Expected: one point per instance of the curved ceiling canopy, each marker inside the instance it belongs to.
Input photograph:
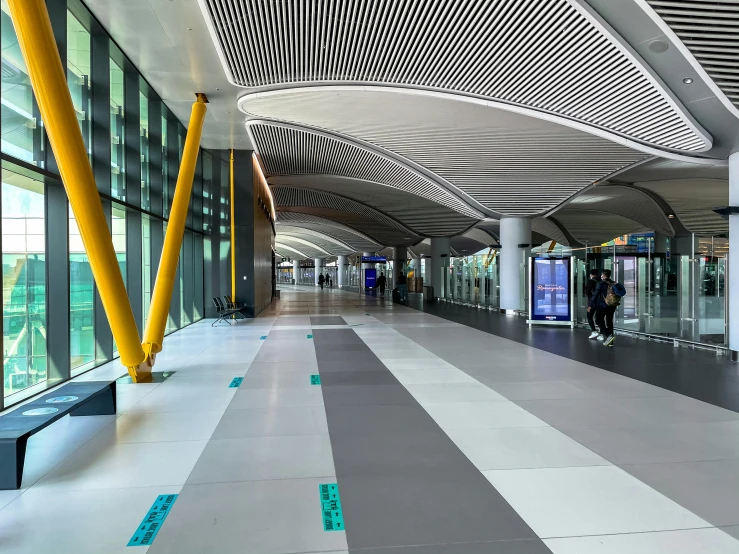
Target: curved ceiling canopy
(594, 227)
(694, 201)
(287, 150)
(330, 244)
(549, 55)
(302, 246)
(624, 201)
(510, 163)
(347, 235)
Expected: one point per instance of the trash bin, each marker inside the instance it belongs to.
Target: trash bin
(428, 293)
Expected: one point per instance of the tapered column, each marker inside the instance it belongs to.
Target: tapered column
(318, 263)
(733, 285)
(343, 265)
(515, 240)
(296, 271)
(400, 257)
(440, 248)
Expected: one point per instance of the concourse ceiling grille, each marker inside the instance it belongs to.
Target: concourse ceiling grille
(383, 229)
(333, 246)
(544, 54)
(549, 229)
(328, 227)
(513, 164)
(594, 227)
(300, 246)
(289, 151)
(710, 30)
(626, 202)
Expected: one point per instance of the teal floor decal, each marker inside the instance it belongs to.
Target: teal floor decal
(148, 529)
(263, 337)
(333, 516)
(315, 379)
(309, 336)
(235, 382)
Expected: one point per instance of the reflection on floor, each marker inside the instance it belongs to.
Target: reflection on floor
(441, 439)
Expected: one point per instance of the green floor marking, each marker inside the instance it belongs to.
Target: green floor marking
(263, 337)
(333, 516)
(309, 336)
(235, 382)
(315, 379)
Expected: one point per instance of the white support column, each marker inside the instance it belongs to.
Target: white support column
(515, 242)
(342, 264)
(440, 249)
(296, 271)
(400, 257)
(732, 290)
(365, 266)
(318, 263)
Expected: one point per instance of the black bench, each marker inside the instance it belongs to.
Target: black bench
(226, 309)
(77, 399)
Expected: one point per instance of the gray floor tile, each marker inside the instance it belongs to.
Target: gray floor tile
(327, 320)
(353, 363)
(674, 409)
(328, 354)
(262, 458)
(426, 508)
(355, 395)
(357, 378)
(276, 380)
(348, 421)
(271, 422)
(246, 399)
(268, 517)
(732, 531)
(646, 444)
(708, 489)
(581, 411)
(620, 387)
(523, 546)
(287, 355)
(538, 390)
(305, 365)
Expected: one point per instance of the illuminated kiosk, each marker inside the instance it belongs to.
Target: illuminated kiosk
(369, 274)
(552, 292)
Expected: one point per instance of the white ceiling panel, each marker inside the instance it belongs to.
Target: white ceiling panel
(510, 163)
(550, 55)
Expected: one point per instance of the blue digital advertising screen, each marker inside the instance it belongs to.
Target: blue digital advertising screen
(550, 289)
(370, 278)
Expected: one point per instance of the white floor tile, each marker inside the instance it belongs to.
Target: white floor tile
(454, 392)
(165, 426)
(427, 376)
(577, 501)
(521, 448)
(481, 415)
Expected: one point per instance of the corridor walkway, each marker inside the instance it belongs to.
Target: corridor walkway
(368, 427)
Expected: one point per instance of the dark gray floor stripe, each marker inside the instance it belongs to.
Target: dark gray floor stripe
(403, 481)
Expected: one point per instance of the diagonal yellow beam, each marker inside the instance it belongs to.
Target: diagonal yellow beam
(36, 40)
(162, 294)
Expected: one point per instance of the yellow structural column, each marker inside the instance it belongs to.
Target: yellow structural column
(162, 294)
(39, 49)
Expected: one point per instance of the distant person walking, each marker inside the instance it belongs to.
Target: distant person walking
(330, 281)
(381, 283)
(402, 287)
(590, 287)
(321, 280)
(605, 301)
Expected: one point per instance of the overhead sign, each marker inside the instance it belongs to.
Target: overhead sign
(551, 290)
(373, 259)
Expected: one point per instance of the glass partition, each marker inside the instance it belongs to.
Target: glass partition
(81, 303)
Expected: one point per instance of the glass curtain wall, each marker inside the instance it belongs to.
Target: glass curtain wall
(24, 283)
(28, 196)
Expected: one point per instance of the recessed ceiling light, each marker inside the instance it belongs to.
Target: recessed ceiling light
(671, 216)
(688, 80)
(189, 28)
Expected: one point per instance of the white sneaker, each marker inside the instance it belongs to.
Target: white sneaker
(593, 335)
(601, 338)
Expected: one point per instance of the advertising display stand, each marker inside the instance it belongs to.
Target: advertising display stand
(552, 292)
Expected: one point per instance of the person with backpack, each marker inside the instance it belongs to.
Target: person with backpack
(321, 280)
(605, 301)
(381, 283)
(590, 286)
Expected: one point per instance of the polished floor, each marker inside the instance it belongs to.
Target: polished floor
(443, 438)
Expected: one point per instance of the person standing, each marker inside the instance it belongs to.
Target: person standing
(402, 287)
(381, 283)
(321, 280)
(605, 301)
(590, 286)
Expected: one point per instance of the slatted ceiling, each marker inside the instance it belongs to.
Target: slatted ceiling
(299, 246)
(291, 151)
(710, 30)
(549, 229)
(334, 229)
(325, 241)
(513, 164)
(627, 202)
(539, 53)
(693, 201)
(594, 227)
